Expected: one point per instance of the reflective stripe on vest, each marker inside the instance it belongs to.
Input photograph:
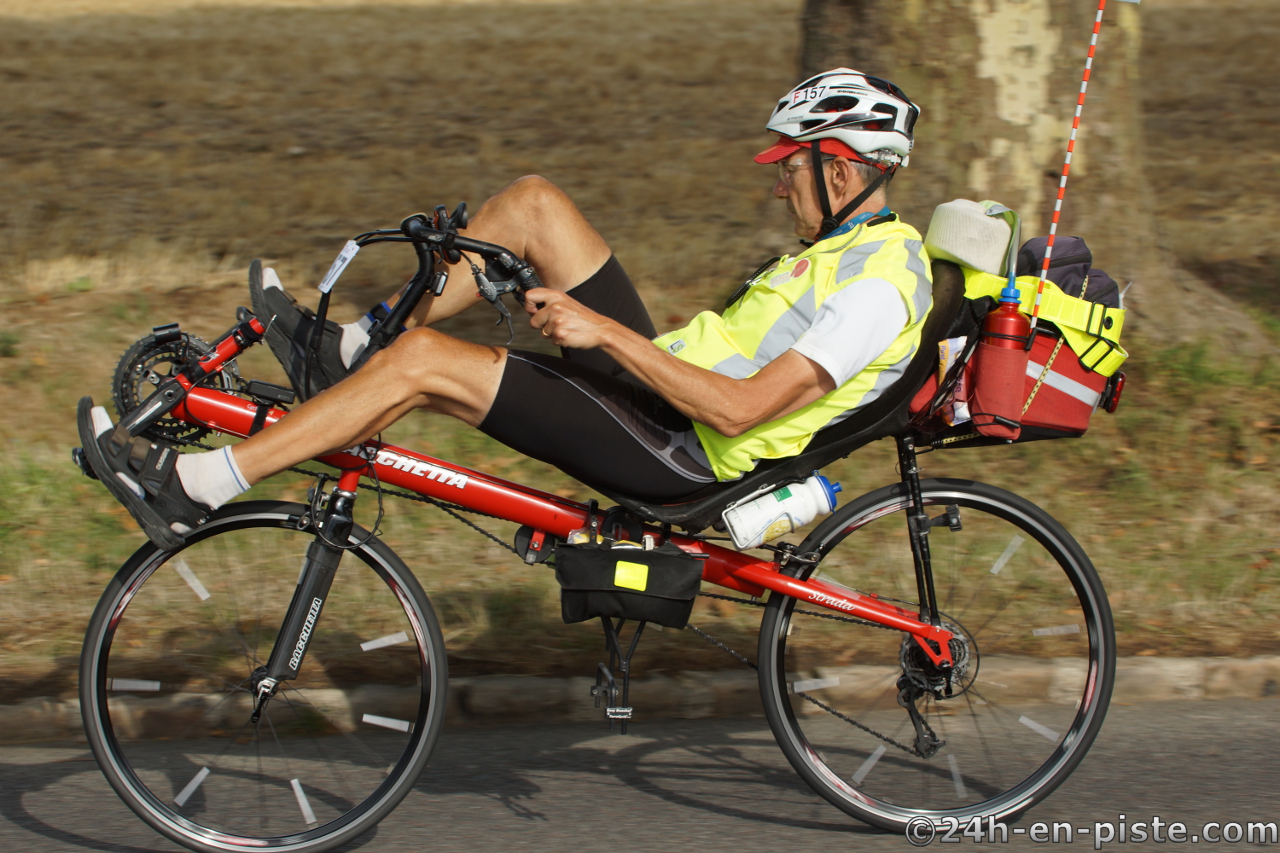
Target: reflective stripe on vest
(779, 306)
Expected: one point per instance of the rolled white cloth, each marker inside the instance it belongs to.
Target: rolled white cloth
(963, 232)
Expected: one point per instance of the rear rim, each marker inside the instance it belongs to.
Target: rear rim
(1034, 650)
(167, 697)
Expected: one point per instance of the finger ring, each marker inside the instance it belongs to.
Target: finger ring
(544, 333)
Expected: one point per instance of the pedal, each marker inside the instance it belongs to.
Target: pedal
(78, 457)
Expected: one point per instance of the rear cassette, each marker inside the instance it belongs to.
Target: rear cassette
(147, 364)
(922, 672)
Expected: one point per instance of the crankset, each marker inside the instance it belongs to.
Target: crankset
(151, 361)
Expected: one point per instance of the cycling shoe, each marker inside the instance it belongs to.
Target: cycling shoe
(141, 474)
(289, 329)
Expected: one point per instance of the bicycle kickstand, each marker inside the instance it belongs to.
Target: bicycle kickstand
(606, 686)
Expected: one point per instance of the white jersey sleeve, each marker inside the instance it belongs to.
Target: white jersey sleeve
(853, 327)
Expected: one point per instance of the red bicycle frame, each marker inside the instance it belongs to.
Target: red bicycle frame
(548, 514)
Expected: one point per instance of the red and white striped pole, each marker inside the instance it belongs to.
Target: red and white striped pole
(1066, 168)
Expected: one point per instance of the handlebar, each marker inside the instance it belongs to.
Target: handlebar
(417, 230)
(438, 240)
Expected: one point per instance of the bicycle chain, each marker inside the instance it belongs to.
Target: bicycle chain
(713, 641)
(911, 750)
(753, 603)
(451, 509)
(454, 510)
(832, 616)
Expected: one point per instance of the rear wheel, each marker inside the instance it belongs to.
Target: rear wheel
(166, 691)
(1034, 651)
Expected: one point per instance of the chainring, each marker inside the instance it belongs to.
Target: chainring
(147, 363)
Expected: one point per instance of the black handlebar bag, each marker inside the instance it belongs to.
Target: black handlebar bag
(626, 582)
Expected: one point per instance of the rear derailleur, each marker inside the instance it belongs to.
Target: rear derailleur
(927, 742)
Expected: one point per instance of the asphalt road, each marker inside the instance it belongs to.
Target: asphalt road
(701, 785)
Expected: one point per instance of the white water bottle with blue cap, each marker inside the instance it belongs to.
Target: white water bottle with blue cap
(781, 511)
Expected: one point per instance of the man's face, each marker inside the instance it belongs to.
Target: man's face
(795, 184)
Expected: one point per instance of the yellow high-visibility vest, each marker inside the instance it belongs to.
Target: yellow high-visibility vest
(779, 306)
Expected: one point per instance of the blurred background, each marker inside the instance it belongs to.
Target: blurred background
(149, 149)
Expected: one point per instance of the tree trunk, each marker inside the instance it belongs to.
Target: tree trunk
(997, 82)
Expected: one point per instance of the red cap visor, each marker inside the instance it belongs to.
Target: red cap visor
(786, 146)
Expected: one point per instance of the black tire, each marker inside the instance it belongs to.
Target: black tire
(166, 705)
(1027, 704)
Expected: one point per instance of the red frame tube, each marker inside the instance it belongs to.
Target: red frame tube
(557, 516)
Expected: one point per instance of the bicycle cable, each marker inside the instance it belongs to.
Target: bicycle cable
(317, 496)
(454, 510)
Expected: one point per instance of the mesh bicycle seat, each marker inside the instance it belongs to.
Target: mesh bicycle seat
(885, 416)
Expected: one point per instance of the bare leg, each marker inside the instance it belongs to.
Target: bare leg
(536, 220)
(427, 369)
(422, 369)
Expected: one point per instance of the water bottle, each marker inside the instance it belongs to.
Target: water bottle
(1007, 326)
(1000, 369)
(780, 512)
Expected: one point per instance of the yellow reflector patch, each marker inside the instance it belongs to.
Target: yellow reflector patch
(631, 575)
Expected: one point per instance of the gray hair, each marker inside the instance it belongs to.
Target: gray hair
(869, 173)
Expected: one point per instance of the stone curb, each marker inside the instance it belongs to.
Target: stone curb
(684, 695)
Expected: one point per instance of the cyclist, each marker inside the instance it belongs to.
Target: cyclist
(812, 339)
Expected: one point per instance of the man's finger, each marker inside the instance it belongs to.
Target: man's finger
(536, 298)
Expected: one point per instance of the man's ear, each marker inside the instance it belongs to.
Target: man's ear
(842, 174)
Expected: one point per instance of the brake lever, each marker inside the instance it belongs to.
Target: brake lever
(491, 293)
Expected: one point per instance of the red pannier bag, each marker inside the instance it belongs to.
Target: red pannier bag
(1059, 396)
(1063, 395)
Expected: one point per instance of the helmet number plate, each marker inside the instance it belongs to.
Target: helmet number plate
(812, 93)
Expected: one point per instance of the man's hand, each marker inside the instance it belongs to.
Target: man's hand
(729, 406)
(565, 321)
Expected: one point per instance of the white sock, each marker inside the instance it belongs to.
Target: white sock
(211, 478)
(355, 338)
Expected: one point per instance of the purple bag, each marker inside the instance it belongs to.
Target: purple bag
(1070, 269)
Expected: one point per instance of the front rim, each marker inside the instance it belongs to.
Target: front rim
(167, 695)
(1035, 628)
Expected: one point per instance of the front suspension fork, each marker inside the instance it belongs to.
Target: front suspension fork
(333, 527)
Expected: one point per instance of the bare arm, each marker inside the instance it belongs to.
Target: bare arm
(729, 406)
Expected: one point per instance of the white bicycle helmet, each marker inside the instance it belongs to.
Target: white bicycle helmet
(871, 116)
(847, 113)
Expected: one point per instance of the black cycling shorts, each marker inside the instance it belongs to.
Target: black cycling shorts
(591, 419)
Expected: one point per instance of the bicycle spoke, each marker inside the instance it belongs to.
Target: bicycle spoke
(998, 719)
(302, 775)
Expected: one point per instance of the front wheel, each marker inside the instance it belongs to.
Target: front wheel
(1034, 652)
(167, 699)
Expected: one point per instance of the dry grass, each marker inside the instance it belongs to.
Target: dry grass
(232, 132)
(150, 148)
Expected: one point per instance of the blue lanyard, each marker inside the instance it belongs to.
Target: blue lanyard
(856, 221)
